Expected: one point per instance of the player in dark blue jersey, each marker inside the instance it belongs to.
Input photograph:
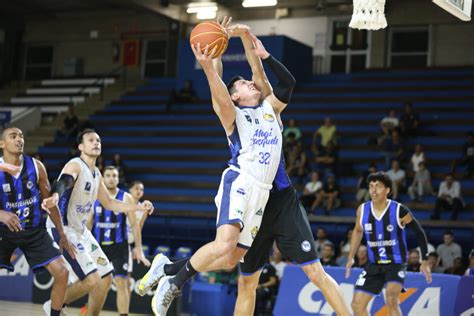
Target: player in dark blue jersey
(23, 184)
(383, 223)
(110, 231)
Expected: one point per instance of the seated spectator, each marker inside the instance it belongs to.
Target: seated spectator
(421, 183)
(70, 124)
(328, 196)
(457, 268)
(449, 198)
(393, 148)
(321, 240)
(470, 269)
(413, 263)
(448, 251)
(266, 289)
(328, 259)
(398, 178)
(297, 164)
(417, 157)
(292, 128)
(289, 143)
(389, 123)
(100, 163)
(326, 160)
(277, 262)
(122, 169)
(311, 190)
(409, 121)
(327, 133)
(187, 94)
(433, 261)
(344, 248)
(362, 194)
(467, 158)
(361, 259)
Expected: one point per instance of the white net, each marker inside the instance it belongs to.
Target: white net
(368, 15)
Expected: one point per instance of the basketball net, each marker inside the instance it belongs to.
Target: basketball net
(368, 15)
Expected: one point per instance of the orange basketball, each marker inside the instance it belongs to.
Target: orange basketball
(212, 34)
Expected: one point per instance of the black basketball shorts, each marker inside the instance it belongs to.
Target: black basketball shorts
(375, 276)
(284, 221)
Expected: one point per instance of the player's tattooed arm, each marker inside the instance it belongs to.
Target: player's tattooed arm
(137, 234)
(112, 204)
(356, 238)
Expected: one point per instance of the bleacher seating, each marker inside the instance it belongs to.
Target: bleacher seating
(179, 154)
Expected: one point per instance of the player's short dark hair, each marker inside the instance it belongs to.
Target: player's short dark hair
(381, 177)
(110, 168)
(134, 183)
(80, 136)
(232, 81)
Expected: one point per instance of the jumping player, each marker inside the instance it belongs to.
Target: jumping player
(251, 123)
(383, 223)
(78, 187)
(110, 230)
(24, 182)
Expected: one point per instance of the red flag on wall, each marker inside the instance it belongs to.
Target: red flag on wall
(130, 52)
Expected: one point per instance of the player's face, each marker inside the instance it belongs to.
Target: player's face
(378, 191)
(137, 191)
(245, 89)
(91, 145)
(111, 179)
(12, 141)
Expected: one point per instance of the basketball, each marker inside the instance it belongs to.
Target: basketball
(212, 34)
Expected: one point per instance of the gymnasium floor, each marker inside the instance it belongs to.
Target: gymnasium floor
(8, 308)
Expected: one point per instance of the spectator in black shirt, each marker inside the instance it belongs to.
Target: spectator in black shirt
(266, 289)
(328, 196)
(70, 124)
(326, 159)
(328, 258)
(409, 121)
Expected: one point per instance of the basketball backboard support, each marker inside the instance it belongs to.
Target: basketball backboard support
(459, 8)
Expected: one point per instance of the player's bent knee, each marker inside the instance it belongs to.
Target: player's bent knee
(357, 307)
(92, 280)
(224, 248)
(246, 285)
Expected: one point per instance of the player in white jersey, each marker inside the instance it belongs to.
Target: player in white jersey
(79, 185)
(250, 117)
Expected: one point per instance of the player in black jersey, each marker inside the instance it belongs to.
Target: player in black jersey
(110, 230)
(383, 223)
(23, 183)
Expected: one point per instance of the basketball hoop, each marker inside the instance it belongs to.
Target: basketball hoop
(368, 15)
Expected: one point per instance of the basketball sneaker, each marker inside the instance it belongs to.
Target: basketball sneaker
(154, 274)
(47, 309)
(164, 296)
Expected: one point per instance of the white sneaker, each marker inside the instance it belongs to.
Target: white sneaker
(47, 307)
(154, 274)
(164, 296)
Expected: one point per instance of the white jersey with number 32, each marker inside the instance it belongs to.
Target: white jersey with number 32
(256, 142)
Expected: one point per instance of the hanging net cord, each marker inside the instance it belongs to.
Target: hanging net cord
(368, 15)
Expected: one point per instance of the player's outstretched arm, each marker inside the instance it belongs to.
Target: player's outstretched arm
(137, 234)
(217, 62)
(54, 213)
(251, 53)
(407, 219)
(223, 105)
(112, 204)
(356, 238)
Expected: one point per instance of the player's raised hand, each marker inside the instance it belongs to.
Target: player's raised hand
(259, 50)
(11, 220)
(50, 202)
(426, 270)
(9, 168)
(65, 244)
(146, 206)
(203, 56)
(238, 30)
(349, 264)
(224, 22)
